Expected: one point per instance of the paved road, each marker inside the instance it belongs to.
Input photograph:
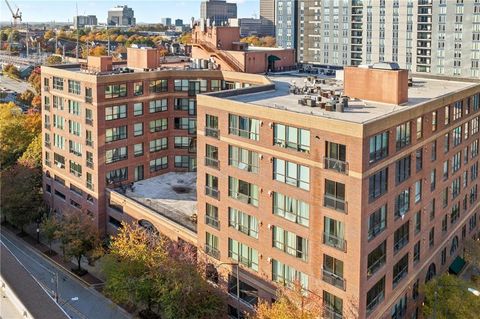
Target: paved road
(15, 85)
(90, 304)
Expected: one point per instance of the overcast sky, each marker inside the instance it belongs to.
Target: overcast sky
(145, 11)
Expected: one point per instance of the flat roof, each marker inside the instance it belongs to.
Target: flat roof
(121, 68)
(173, 195)
(358, 111)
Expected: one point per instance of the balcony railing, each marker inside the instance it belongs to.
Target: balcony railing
(47, 126)
(214, 222)
(212, 192)
(89, 164)
(372, 269)
(88, 99)
(213, 132)
(47, 144)
(333, 279)
(399, 244)
(334, 241)
(89, 143)
(335, 203)
(46, 88)
(90, 185)
(402, 273)
(212, 251)
(375, 302)
(336, 165)
(212, 162)
(89, 121)
(330, 313)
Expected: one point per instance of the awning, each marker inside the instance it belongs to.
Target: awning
(273, 58)
(457, 265)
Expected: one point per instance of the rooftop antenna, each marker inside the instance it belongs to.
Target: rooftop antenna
(76, 27)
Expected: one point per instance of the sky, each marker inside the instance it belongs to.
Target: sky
(145, 10)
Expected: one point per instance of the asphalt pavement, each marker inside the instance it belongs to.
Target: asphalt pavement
(14, 85)
(75, 297)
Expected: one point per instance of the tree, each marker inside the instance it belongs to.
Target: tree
(32, 157)
(157, 275)
(453, 301)
(37, 102)
(21, 199)
(54, 59)
(50, 227)
(26, 97)
(472, 252)
(35, 80)
(49, 35)
(79, 236)
(268, 41)
(291, 303)
(185, 38)
(12, 71)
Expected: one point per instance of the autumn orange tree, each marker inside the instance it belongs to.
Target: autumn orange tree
(147, 271)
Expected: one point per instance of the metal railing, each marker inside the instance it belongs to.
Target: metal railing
(402, 273)
(212, 132)
(212, 162)
(375, 302)
(209, 220)
(372, 269)
(335, 203)
(336, 165)
(333, 279)
(212, 192)
(212, 251)
(330, 313)
(335, 242)
(399, 244)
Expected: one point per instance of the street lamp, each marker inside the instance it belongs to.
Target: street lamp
(435, 293)
(238, 284)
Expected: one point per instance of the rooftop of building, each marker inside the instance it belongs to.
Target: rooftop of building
(172, 195)
(358, 111)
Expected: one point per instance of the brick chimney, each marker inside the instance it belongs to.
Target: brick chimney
(99, 63)
(382, 82)
(143, 58)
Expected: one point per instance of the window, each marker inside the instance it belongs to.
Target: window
(58, 83)
(75, 148)
(74, 128)
(211, 245)
(181, 85)
(73, 107)
(115, 133)
(455, 187)
(434, 121)
(158, 164)
(158, 86)
(138, 173)
(431, 237)
(243, 191)
(181, 123)
(138, 149)
(211, 216)
(333, 305)
(433, 154)
(446, 142)
(115, 90)
(243, 159)
(89, 116)
(211, 125)
(333, 233)
(402, 169)
(378, 147)
(58, 141)
(138, 109)
(376, 259)
(376, 295)
(115, 112)
(116, 154)
(286, 275)
(138, 129)
(182, 161)
(248, 293)
(211, 185)
(419, 128)
(418, 191)
(433, 179)
(57, 102)
(419, 159)
(418, 222)
(182, 142)
(291, 209)
(457, 135)
(138, 88)
(457, 110)
(155, 106)
(73, 87)
(456, 162)
(403, 135)
(243, 254)
(291, 137)
(335, 157)
(211, 156)
(378, 184)
(377, 222)
(400, 270)
(158, 144)
(244, 127)
(158, 125)
(455, 214)
(75, 168)
(290, 243)
(291, 173)
(401, 237)
(447, 114)
(243, 222)
(116, 175)
(402, 203)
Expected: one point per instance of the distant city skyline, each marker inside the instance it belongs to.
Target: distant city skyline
(145, 11)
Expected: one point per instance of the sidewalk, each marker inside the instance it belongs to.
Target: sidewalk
(94, 272)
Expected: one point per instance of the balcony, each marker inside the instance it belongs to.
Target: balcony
(89, 121)
(88, 99)
(335, 203)
(333, 279)
(89, 143)
(211, 221)
(212, 162)
(330, 313)
(401, 274)
(90, 185)
(212, 192)
(375, 302)
(335, 164)
(212, 132)
(399, 244)
(212, 251)
(373, 268)
(335, 242)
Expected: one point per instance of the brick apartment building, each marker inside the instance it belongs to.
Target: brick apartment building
(362, 200)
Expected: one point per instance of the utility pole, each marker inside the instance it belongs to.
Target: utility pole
(26, 40)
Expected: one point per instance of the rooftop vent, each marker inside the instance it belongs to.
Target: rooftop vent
(386, 66)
